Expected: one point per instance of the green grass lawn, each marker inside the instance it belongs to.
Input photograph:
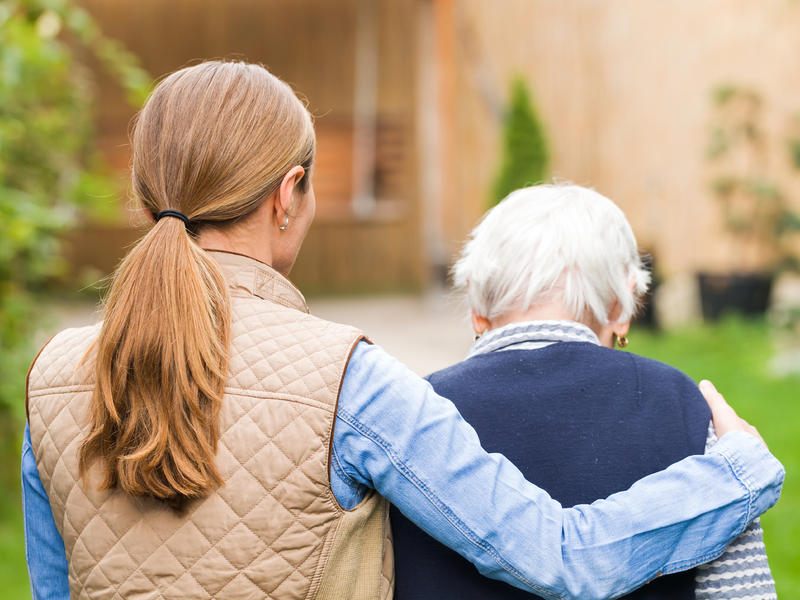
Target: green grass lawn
(13, 572)
(733, 355)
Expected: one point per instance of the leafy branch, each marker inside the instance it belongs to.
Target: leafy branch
(50, 170)
(755, 208)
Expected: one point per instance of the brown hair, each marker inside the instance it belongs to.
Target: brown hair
(213, 141)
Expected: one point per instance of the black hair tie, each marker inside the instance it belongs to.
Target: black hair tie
(173, 213)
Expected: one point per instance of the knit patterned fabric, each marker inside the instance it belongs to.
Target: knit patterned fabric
(742, 572)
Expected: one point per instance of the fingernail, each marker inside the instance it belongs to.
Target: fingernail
(706, 385)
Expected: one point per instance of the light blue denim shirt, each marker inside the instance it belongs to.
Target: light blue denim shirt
(395, 435)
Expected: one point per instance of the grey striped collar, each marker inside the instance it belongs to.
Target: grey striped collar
(529, 335)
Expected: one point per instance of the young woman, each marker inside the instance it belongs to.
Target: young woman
(210, 439)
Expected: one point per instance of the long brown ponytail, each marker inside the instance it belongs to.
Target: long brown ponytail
(212, 141)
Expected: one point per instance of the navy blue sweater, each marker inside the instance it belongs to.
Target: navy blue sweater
(579, 420)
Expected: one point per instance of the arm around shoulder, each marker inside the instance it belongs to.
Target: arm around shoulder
(753, 465)
(394, 434)
(678, 518)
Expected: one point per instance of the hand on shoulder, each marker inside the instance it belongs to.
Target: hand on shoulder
(725, 418)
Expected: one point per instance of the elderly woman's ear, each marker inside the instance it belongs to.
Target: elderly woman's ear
(616, 329)
(480, 324)
(620, 331)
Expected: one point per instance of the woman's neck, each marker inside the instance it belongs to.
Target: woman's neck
(253, 246)
(552, 311)
(250, 236)
(541, 311)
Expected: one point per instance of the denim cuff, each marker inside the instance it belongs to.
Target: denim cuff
(752, 464)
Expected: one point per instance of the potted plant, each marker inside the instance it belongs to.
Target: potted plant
(755, 209)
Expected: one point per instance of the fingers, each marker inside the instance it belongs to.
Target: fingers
(724, 417)
(754, 432)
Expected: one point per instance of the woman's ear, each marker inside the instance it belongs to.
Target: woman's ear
(615, 327)
(480, 324)
(283, 204)
(621, 329)
(150, 216)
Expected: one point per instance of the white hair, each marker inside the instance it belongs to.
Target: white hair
(550, 242)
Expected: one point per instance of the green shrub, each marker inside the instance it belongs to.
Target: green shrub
(51, 175)
(525, 154)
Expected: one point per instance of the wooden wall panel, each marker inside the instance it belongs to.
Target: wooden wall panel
(624, 88)
(310, 44)
(335, 256)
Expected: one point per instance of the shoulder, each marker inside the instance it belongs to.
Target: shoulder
(274, 347)
(650, 372)
(671, 388)
(656, 373)
(591, 361)
(470, 367)
(370, 366)
(58, 361)
(252, 314)
(652, 375)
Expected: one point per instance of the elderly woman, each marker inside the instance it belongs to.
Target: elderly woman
(553, 278)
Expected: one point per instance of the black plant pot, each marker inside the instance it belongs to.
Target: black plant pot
(747, 294)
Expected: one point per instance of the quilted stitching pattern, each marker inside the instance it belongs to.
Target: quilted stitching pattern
(261, 535)
(387, 572)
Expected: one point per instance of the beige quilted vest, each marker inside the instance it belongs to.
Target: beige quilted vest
(274, 530)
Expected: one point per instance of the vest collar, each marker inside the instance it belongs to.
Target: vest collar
(248, 275)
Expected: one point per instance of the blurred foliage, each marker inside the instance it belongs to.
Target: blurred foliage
(51, 174)
(794, 152)
(14, 583)
(756, 209)
(525, 153)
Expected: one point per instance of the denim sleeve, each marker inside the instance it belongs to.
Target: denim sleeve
(394, 434)
(44, 548)
(743, 565)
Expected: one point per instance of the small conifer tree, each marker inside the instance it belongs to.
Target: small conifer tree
(525, 154)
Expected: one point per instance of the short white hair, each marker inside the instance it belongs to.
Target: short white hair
(550, 242)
